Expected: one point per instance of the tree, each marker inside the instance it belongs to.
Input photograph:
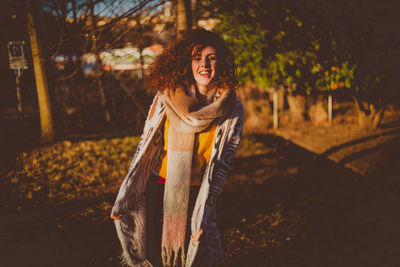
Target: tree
(365, 36)
(46, 116)
(183, 15)
(270, 44)
(90, 27)
(92, 23)
(349, 45)
(271, 48)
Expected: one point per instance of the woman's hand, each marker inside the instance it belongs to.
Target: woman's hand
(114, 217)
(117, 211)
(197, 237)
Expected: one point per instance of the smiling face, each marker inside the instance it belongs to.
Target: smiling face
(204, 68)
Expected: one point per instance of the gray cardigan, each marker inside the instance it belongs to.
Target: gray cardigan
(130, 205)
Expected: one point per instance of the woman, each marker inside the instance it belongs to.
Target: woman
(190, 137)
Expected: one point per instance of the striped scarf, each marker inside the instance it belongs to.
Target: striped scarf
(188, 115)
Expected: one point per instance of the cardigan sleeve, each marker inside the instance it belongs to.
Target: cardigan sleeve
(121, 201)
(150, 115)
(231, 140)
(129, 212)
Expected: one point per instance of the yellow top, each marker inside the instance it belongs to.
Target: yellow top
(203, 143)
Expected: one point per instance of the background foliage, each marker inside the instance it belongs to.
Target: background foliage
(306, 46)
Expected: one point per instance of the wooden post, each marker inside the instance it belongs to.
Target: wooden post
(275, 109)
(46, 115)
(330, 108)
(19, 97)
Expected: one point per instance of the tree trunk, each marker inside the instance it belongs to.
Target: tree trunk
(317, 111)
(46, 115)
(297, 107)
(99, 70)
(183, 15)
(99, 80)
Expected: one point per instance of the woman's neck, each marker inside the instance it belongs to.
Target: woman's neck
(206, 94)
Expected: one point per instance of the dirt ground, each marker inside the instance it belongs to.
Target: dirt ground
(282, 206)
(374, 153)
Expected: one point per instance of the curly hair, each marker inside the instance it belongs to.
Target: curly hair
(173, 68)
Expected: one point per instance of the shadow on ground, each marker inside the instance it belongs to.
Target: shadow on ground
(282, 206)
(290, 207)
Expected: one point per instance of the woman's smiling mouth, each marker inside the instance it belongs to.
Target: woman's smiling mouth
(205, 74)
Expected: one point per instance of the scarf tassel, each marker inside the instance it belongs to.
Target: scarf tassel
(172, 254)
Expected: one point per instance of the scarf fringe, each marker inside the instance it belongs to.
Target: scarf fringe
(172, 254)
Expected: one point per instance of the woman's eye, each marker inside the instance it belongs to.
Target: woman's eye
(196, 58)
(213, 58)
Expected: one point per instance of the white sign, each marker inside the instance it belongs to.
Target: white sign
(16, 56)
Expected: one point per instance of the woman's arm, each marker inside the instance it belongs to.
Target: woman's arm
(230, 143)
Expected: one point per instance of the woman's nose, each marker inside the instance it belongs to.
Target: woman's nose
(206, 63)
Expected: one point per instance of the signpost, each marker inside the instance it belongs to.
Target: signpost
(17, 62)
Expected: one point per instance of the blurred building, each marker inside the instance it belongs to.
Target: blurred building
(122, 59)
